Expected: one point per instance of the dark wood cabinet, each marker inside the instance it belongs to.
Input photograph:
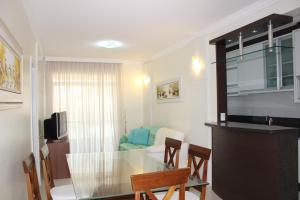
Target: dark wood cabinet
(252, 161)
(57, 152)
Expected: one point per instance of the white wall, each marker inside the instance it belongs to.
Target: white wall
(15, 143)
(199, 104)
(41, 88)
(132, 90)
(189, 114)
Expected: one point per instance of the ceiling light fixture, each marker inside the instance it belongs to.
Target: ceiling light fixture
(254, 31)
(241, 48)
(110, 44)
(270, 36)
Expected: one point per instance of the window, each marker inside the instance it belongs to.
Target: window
(89, 92)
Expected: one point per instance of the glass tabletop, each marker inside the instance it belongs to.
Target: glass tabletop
(107, 174)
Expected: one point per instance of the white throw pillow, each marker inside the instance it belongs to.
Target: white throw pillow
(162, 133)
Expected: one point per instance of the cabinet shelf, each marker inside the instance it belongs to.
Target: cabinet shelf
(285, 76)
(287, 62)
(232, 84)
(252, 55)
(231, 67)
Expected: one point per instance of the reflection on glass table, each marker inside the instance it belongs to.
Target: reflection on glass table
(103, 175)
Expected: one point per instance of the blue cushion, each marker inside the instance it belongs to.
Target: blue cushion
(153, 130)
(131, 136)
(139, 136)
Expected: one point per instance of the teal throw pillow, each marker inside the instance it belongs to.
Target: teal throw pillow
(142, 136)
(131, 136)
(153, 130)
(139, 136)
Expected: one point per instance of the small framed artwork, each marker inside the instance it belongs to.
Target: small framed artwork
(11, 70)
(169, 91)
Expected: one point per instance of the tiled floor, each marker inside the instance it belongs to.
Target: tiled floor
(210, 195)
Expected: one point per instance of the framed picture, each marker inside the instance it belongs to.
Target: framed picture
(169, 91)
(11, 69)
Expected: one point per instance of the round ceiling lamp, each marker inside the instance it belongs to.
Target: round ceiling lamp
(110, 44)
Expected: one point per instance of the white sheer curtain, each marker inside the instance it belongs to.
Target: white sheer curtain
(90, 93)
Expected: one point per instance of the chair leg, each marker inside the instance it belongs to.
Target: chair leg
(203, 192)
(137, 196)
(144, 196)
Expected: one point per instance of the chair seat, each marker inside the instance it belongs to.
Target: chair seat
(188, 195)
(64, 192)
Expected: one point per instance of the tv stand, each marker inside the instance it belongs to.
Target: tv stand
(57, 152)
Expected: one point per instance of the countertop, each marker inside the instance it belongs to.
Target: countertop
(260, 128)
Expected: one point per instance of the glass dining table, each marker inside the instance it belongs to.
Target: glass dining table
(107, 175)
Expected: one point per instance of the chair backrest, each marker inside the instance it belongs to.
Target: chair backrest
(202, 155)
(172, 178)
(47, 172)
(32, 183)
(172, 148)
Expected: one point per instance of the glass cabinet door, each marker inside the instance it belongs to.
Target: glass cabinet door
(287, 62)
(261, 69)
(271, 67)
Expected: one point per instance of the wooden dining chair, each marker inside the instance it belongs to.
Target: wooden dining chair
(64, 192)
(172, 149)
(155, 180)
(32, 183)
(198, 161)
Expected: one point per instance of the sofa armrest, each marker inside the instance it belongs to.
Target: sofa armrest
(123, 139)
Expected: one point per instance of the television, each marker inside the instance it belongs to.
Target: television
(55, 128)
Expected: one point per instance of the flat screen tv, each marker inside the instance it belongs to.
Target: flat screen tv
(55, 128)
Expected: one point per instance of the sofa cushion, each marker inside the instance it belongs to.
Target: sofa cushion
(123, 139)
(139, 136)
(129, 146)
(156, 148)
(153, 130)
(131, 135)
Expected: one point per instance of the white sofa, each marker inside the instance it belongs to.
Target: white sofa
(157, 150)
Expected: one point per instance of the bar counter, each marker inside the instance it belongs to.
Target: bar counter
(254, 161)
(258, 128)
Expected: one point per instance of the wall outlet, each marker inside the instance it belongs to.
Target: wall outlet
(223, 117)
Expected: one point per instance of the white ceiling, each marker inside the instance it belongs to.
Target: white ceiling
(69, 28)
